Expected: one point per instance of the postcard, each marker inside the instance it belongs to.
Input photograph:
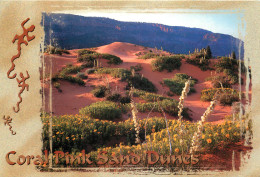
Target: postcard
(138, 88)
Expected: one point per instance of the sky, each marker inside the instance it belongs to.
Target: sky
(225, 22)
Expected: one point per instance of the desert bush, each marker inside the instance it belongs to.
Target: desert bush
(137, 67)
(72, 79)
(100, 91)
(203, 64)
(116, 97)
(177, 83)
(125, 100)
(149, 55)
(227, 95)
(90, 71)
(56, 50)
(85, 51)
(82, 75)
(168, 63)
(104, 110)
(168, 106)
(112, 59)
(150, 97)
(230, 68)
(70, 69)
(136, 81)
(115, 72)
(89, 56)
(141, 83)
(216, 80)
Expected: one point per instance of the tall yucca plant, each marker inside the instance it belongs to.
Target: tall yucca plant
(134, 115)
(184, 94)
(198, 135)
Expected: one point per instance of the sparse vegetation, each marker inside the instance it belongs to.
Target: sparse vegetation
(89, 56)
(219, 81)
(230, 68)
(141, 83)
(64, 75)
(105, 110)
(202, 63)
(150, 97)
(57, 86)
(137, 67)
(116, 97)
(90, 71)
(82, 75)
(121, 73)
(227, 95)
(55, 50)
(177, 83)
(100, 91)
(149, 55)
(168, 63)
(169, 106)
(136, 81)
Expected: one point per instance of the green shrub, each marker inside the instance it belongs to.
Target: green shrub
(177, 83)
(85, 51)
(116, 97)
(112, 59)
(55, 50)
(168, 106)
(150, 97)
(72, 79)
(104, 110)
(90, 71)
(141, 83)
(136, 81)
(125, 100)
(137, 67)
(115, 72)
(230, 68)
(82, 75)
(149, 55)
(227, 95)
(88, 56)
(203, 64)
(70, 69)
(100, 91)
(216, 80)
(168, 63)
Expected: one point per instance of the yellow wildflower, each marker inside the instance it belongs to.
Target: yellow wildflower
(209, 141)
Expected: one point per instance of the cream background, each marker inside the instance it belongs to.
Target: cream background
(27, 122)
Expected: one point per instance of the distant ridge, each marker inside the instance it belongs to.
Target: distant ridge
(73, 32)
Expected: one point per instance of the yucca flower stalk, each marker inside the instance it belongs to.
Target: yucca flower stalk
(184, 94)
(134, 115)
(197, 135)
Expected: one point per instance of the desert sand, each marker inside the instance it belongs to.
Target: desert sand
(74, 97)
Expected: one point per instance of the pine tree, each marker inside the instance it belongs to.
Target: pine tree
(208, 53)
(233, 55)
